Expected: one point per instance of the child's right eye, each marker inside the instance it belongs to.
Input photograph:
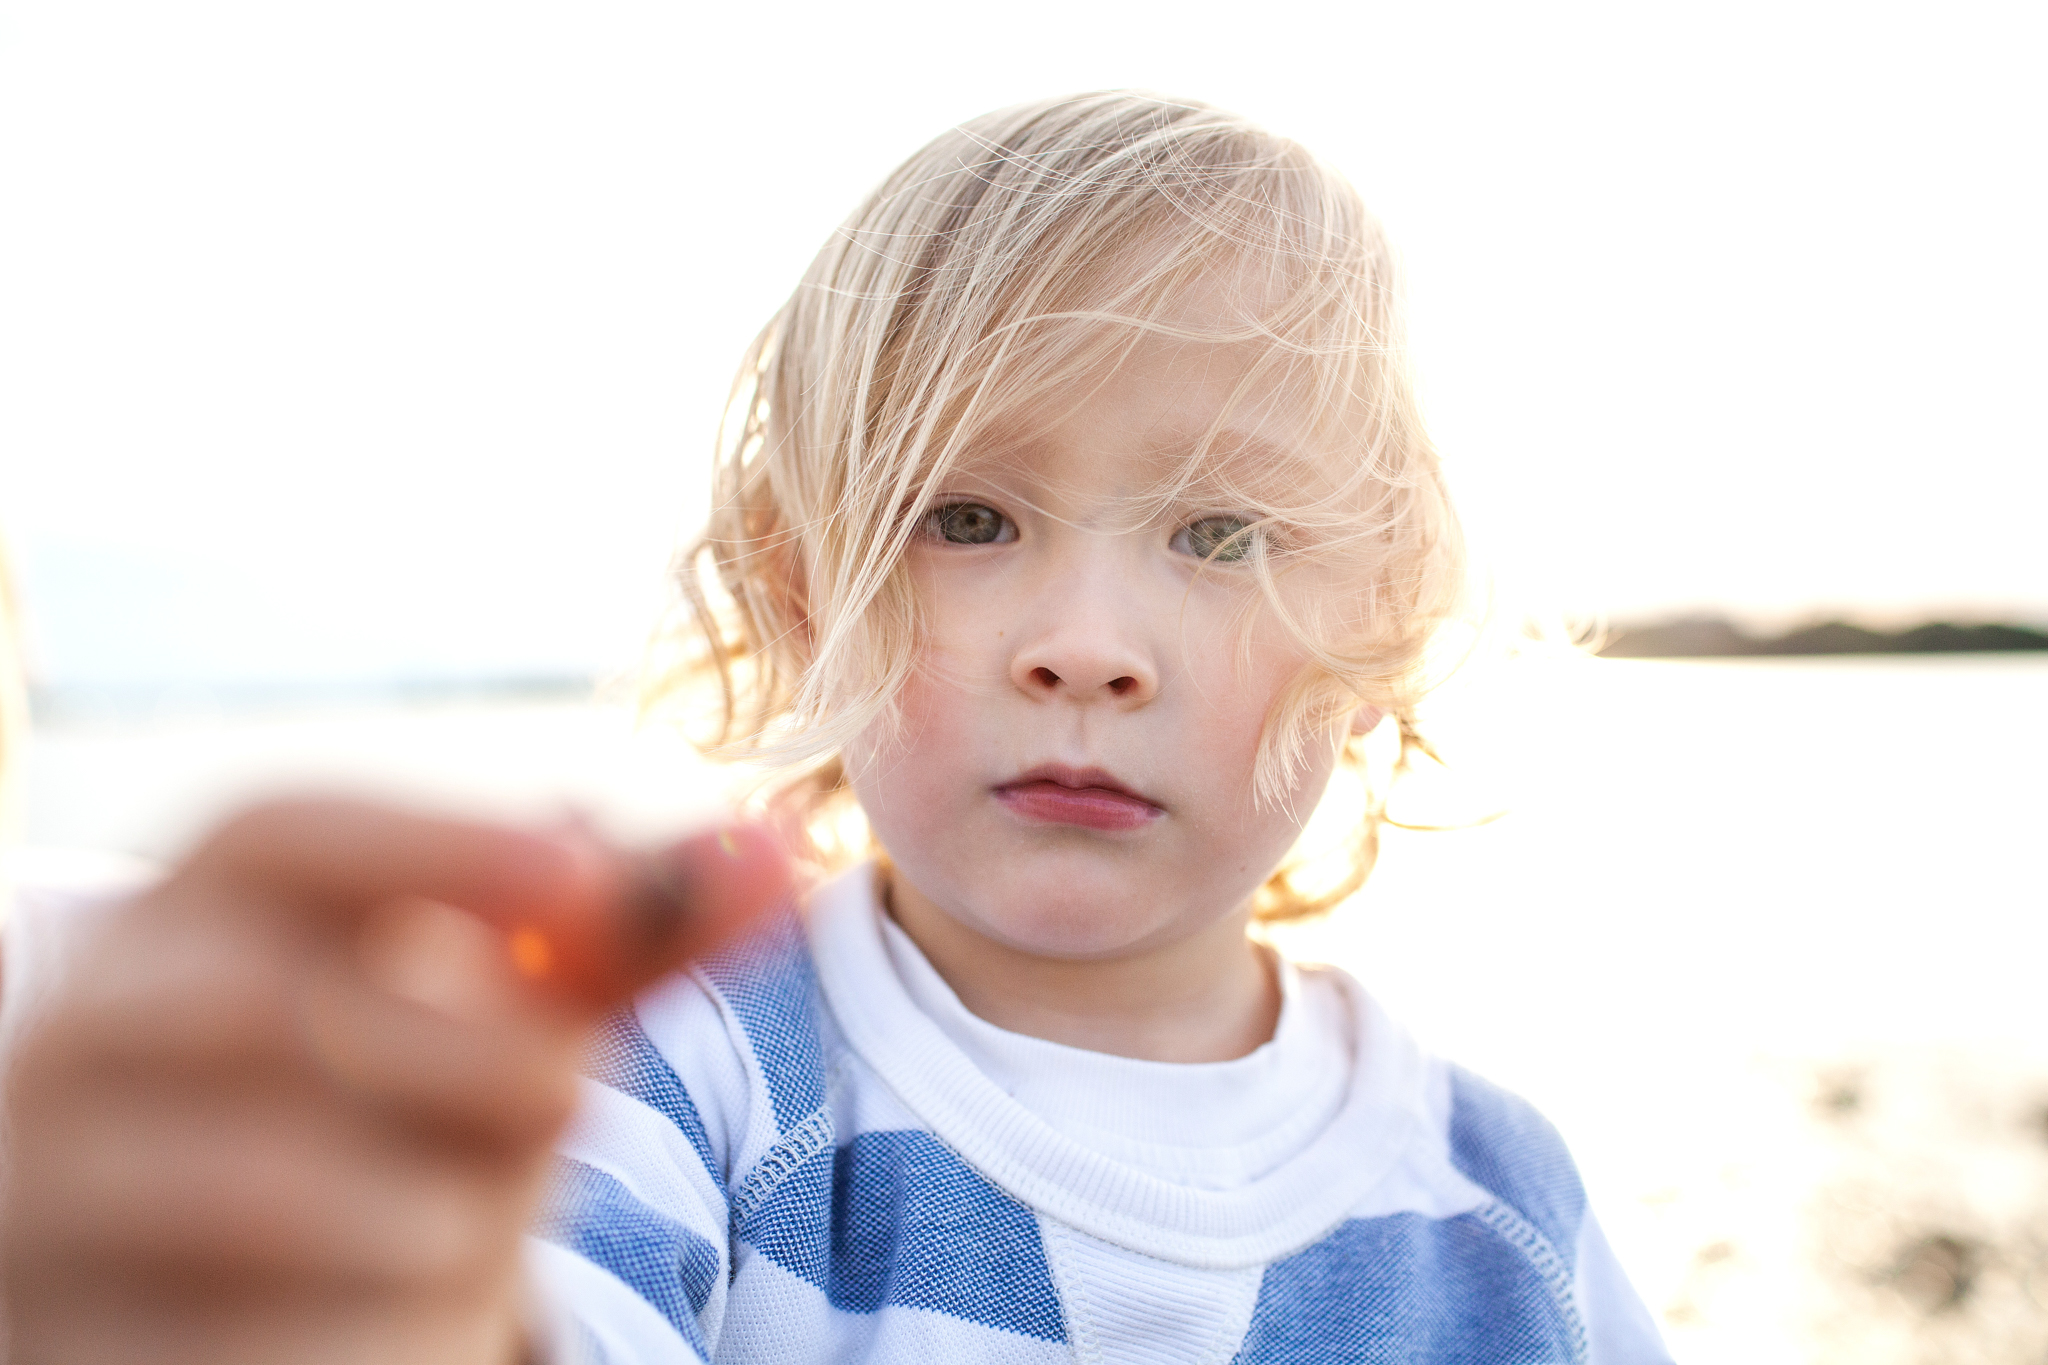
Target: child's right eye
(969, 523)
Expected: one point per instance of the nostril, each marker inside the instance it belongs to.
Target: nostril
(1045, 677)
(1122, 685)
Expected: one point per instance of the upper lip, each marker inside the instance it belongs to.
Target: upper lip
(1065, 775)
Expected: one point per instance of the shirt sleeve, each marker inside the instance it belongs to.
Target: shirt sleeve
(630, 1253)
(1619, 1328)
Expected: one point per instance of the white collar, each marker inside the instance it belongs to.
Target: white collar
(1213, 1125)
(1281, 1211)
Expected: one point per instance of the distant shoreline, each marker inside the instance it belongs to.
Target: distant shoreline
(1703, 637)
(126, 702)
(1684, 638)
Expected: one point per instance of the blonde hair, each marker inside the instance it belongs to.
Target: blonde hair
(1008, 259)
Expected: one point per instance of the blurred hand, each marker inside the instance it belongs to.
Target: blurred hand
(295, 1104)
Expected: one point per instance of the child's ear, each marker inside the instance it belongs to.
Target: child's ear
(1366, 719)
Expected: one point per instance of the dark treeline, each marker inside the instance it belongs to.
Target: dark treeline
(1701, 637)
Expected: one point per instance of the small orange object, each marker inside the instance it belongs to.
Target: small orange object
(532, 954)
(644, 913)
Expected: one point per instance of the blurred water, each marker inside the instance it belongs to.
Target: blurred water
(1826, 850)
(148, 786)
(1715, 883)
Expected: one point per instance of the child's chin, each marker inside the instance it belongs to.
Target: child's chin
(1062, 921)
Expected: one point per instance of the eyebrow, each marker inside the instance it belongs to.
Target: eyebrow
(1233, 444)
(1248, 460)
(1244, 458)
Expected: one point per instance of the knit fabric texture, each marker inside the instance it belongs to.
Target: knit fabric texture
(780, 1159)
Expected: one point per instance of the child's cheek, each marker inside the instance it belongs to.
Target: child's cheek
(1238, 682)
(909, 774)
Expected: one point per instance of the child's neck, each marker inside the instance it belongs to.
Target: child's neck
(1211, 997)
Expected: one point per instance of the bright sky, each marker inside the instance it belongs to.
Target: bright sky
(351, 339)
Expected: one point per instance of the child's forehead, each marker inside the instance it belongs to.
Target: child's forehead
(1169, 411)
(1231, 454)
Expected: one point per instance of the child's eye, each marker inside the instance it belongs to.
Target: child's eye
(969, 523)
(1226, 539)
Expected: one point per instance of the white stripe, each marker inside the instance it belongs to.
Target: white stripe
(707, 1049)
(1124, 1308)
(630, 1329)
(650, 1155)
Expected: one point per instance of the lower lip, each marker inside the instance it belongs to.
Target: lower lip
(1049, 803)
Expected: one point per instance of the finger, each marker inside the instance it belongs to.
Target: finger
(222, 999)
(157, 993)
(502, 1086)
(668, 907)
(256, 1187)
(589, 925)
(445, 959)
(92, 1322)
(212, 1011)
(346, 856)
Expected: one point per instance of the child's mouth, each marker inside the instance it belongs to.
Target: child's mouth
(1088, 797)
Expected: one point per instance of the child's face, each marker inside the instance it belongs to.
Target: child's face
(1073, 776)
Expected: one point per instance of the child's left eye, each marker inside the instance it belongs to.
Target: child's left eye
(1225, 539)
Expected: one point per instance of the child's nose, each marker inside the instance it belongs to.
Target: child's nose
(1085, 657)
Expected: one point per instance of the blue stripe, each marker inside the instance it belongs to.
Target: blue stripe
(769, 982)
(1406, 1290)
(590, 1213)
(1503, 1145)
(906, 1222)
(623, 1057)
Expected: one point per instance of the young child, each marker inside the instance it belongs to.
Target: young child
(1076, 516)
(1075, 520)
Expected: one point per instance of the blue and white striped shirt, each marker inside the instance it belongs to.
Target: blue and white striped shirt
(782, 1158)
